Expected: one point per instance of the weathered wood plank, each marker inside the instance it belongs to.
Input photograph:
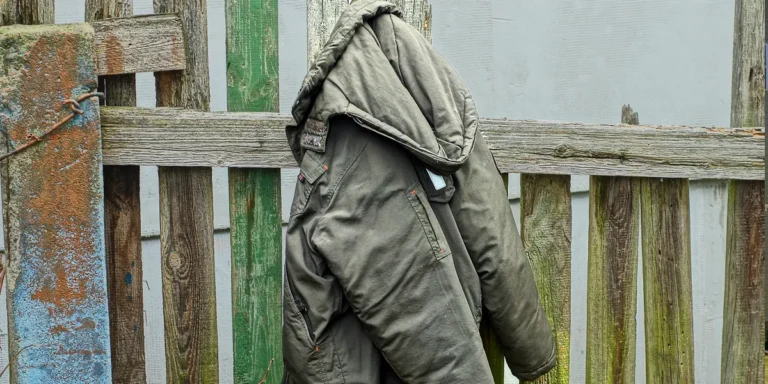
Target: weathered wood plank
(666, 247)
(254, 198)
(614, 216)
(322, 16)
(744, 306)
(26, 12)
(53, 206)
(138, 44)
(186, 219)
(122, 221)
(189, 291)
(190, 138)
(545, 215)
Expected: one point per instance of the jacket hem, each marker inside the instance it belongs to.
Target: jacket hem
(541, 370)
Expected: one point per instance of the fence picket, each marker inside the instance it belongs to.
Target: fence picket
(666, 248)
(545, 215)
(254, 198)
(186, 219)
(744, 305)
(53, 202)
(122, 222)
(614, 217)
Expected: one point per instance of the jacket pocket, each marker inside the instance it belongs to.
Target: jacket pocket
(305, 360)
(311, 169)
(429, 223)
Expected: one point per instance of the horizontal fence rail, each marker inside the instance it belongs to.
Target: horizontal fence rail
(175, 137)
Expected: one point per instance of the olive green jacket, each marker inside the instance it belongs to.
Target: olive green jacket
(401, 237)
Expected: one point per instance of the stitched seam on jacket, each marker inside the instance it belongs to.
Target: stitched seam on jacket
(335, 185)
(338, 359)
(429, 229)
(397, 48)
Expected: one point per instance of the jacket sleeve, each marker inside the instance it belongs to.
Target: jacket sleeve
(481, 208)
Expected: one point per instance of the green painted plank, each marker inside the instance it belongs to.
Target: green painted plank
(545, 216)
(614, 222)
(666, 247)
(256, 273)
(254, 197)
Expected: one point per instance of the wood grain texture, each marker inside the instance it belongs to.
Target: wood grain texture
(614, 216)
(323, 14)
(122, 221)
(138, 44)
(189, 290)
(129, 45)
(254, 198)
(744, 305)
(186, 218)
(256, 238)
(122, 211)
(666, 247)
(58, 314)
(189, 138)
(26, 12)
(545, 210)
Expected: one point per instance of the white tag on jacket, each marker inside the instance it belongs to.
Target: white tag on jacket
(437, 180)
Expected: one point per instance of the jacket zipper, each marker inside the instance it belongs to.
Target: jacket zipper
(303, 311)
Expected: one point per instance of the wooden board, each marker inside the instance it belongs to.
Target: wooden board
(666, 247)
(53, 205)
(122, 221)
(545, 215)
(254, 198)
(138, 44)
(744, 304)
(26, 12)
(188, 138)
(186, 219)
(614, 217)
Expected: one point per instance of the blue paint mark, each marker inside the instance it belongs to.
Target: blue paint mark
(135, 328)
(128, 278)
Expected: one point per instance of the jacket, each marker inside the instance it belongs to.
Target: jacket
(400, 238)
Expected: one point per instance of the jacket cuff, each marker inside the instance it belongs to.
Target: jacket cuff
(541, 370)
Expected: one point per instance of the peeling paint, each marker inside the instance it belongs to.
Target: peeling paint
(54, 208)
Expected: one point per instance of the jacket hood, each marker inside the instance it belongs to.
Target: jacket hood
(380, 71)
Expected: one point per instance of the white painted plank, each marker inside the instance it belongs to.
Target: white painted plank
(708, 213)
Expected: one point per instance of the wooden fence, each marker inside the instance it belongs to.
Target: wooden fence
(67, 221)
